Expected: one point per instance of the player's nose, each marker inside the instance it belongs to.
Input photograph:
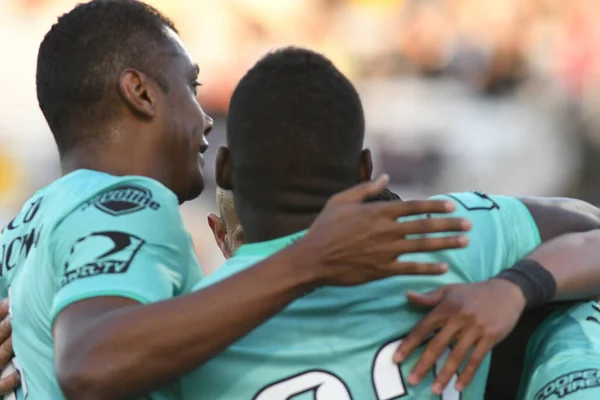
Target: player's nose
(203, 145)
(208, 124)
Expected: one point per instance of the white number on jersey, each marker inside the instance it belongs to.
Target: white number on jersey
(324, 385)
(387, 380)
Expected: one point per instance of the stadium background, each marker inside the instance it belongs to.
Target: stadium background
(501, 96)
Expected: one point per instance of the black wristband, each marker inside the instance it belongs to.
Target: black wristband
(536, 282)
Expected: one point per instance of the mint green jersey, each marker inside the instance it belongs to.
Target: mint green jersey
(563, 356)
(87, 235)
(337, 343)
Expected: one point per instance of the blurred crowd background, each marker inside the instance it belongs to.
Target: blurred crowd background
(501, 96)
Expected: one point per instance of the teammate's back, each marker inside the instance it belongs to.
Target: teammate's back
(337, 343)
(71, 239)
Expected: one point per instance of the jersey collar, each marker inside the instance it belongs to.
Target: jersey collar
(262, 249)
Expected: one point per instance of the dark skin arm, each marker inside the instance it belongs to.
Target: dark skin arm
(478, 316)
(110, 347)
(146, 341)
(509, 355)
(555, 216)
(11, 381)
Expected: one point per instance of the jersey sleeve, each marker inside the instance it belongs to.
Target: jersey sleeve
(127, 240)
(503, 232)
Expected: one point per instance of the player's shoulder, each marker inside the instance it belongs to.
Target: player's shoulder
(473, 201)
(479, 201)
(133, 202)
(117, 196)
(122, 195)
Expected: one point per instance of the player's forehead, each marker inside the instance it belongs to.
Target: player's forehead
(182, 60)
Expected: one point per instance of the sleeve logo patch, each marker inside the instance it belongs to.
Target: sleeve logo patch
(122, 200)
(101, 253)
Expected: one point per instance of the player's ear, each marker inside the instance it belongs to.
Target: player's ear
(137, 91)
(219, 232)
(214, 222)
(365, 167)
(223, 172)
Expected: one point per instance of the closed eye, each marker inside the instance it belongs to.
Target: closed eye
(195, 87)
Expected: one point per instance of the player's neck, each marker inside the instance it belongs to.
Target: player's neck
(113, 160)
(268, 226)
(270, 217)
(272, 209)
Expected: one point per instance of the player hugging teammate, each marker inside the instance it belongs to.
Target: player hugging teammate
(316, 298)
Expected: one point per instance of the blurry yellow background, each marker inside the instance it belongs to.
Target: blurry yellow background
(501, 96)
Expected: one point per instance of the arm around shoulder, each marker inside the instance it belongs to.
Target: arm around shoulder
(555, 216)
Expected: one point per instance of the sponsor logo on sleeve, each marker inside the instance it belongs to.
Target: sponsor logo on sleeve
(570, 383)
(124, 199)
(101, 253)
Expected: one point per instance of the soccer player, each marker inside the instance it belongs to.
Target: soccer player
(563, 357)
(118, 90)
(562, 360)
(295, 108)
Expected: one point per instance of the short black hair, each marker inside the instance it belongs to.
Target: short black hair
(81, 58)
(295, 120)
(385, 195)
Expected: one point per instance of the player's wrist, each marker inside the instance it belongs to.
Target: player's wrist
(301, 267)
(512, 292)
(309, 264)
